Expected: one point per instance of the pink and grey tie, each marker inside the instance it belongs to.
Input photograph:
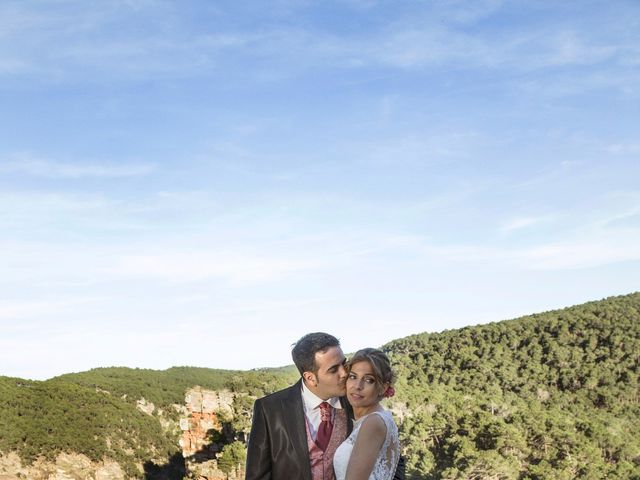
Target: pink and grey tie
(326, 426)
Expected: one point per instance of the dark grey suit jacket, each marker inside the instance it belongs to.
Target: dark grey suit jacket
(277, 448)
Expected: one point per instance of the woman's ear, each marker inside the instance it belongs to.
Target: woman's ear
(383, 388)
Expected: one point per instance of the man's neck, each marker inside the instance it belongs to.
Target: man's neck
(313, 390)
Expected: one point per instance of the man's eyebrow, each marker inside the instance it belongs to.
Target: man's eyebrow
(334, 367)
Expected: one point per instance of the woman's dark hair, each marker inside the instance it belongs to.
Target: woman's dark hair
(380, 365)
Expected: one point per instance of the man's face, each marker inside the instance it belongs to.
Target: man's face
(330, 379)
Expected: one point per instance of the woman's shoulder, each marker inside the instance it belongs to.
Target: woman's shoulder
(374, 423)
(384, 416)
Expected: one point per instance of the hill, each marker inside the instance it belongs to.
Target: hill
(167, 387)
(548, 396)
(43, 419)
(551, 395)
(96, 414)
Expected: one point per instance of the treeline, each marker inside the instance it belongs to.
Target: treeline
(42, 419)
(167, 387)
(94, 412)
(552, 395)
(548, 396)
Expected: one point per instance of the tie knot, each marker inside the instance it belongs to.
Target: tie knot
(325, 411)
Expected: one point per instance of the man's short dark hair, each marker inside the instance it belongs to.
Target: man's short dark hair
(304, 351)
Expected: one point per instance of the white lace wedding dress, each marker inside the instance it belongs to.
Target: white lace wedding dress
(388, 456)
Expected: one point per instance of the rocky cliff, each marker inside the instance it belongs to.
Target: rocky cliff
(205, 432)
(202, 428)
(66, 467)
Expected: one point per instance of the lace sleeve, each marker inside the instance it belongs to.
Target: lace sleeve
(387, 461)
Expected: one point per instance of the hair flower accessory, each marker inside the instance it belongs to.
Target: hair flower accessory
(389, 392)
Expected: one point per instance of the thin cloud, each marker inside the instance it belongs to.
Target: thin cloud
(582, 254)
(623, 218)
(23, 205)
(14, 310)
(624, 148)
(566, 48)
(433, 148)
(573, 83)
(236, 268)
(12, 66)
(560, 255)
(29, 165)
(433, 38)
(523, 222)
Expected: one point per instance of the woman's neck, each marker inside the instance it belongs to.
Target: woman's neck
(359, 412)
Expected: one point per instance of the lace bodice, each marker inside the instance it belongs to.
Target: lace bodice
(388, 456)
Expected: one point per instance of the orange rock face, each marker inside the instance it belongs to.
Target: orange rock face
(202, 433)
(201, 425)
(197, 433)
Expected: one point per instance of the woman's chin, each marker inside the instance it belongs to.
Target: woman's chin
(356, 400)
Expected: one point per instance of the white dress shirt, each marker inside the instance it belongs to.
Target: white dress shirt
(311, 404)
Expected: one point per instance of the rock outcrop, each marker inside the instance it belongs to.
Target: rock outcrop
(205, 422)
(204, 433)
(145, 406)
(66, 467)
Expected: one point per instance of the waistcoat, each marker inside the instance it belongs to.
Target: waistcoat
(322, 462)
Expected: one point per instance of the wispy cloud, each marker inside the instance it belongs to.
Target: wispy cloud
(30, 165)
(31, 204)
(524, 222)
(426, 148)
(350, 162)
(625, 216)
(14, 310)
(235, 267)
(565, 48)
(584, 253)
(624, 148)
(12, 66)
(433, 38)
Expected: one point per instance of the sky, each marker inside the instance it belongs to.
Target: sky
(203, 182)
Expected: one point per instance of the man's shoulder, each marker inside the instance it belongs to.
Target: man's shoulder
(280, 395)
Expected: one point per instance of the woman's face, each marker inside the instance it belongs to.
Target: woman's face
(362, 390)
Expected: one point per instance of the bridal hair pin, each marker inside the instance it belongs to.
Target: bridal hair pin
(389, 392)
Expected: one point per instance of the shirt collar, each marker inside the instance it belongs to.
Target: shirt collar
(312, 401)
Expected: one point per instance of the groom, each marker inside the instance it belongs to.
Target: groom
(296, 431)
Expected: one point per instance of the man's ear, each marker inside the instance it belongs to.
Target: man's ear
(310, 378)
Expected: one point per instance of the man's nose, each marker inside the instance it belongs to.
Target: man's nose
(342, 371)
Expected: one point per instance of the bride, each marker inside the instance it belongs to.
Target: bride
(372, 450)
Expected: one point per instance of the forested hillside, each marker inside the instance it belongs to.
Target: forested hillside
(548, 396)
(94, 413)
(43, 419)
(551, 395)
(167, 387)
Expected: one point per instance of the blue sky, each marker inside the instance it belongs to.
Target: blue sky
(201, 183)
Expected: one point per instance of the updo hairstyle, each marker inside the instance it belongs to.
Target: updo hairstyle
(380, 365)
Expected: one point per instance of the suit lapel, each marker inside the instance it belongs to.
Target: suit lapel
(293, 413)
